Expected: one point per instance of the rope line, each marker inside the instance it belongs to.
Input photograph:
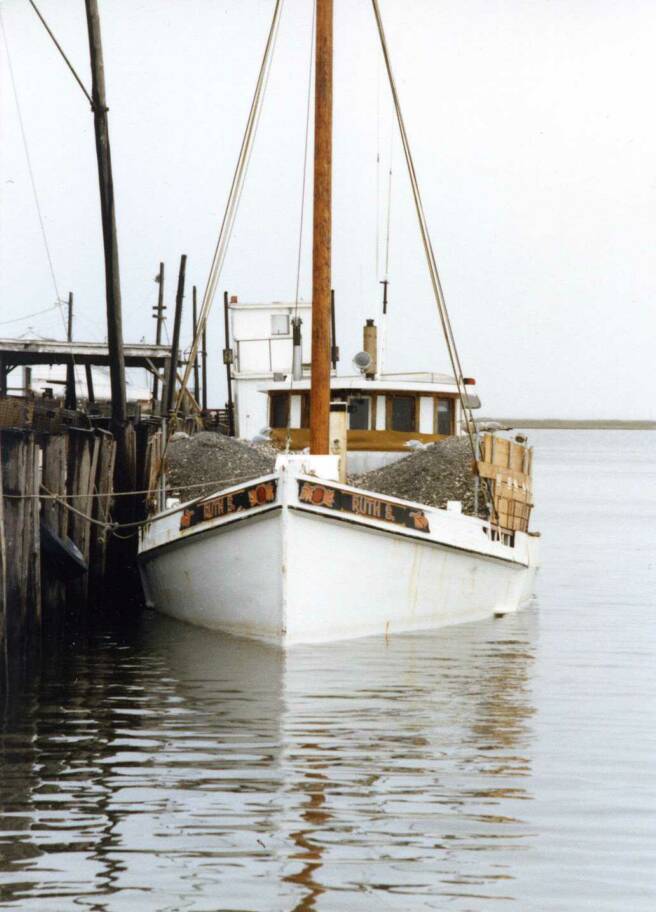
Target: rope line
(428, 249)
(301, 218)
(61, 51)
(112, 527)
(29, 167)
(234, 196)
(305, 160)
(37, 313)
(186, 487)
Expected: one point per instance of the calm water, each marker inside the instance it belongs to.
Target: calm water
(508, 764)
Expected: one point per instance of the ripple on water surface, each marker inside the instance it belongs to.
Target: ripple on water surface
(500, 764)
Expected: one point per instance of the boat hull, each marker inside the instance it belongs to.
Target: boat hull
(296, 571)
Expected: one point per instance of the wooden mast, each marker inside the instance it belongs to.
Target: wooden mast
(125, 462)
(322, 226)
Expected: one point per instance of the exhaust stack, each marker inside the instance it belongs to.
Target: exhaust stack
(370, 345)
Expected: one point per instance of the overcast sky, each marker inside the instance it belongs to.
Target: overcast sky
(533, 131)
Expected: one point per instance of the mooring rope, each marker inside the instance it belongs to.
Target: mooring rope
(112, 527)
(186, 487)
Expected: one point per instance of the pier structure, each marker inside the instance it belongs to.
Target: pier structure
(60, 542)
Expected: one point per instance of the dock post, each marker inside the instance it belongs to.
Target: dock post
(196, 359)
(21, 538)
(82, 462)
(125, 469)
(175, 340)
(158, 313)
(32, 538)
(104, 488)
(3, 576)
(71, 392)
(55, 517)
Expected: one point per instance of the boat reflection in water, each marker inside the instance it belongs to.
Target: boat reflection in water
(186, 767)
(396, 765)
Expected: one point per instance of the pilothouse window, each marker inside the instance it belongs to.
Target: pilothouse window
(280, 324)
(444, 417)
(403, 413)
(359, 413)
(279, 410)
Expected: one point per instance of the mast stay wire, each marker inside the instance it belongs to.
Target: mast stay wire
(51, 268)
(430, 255)
(302, 216)
(377, 168)
(385, 283)
(423, 227)
(234, 197)
(389, 205)
(61, 51)
(59, 302)
(305, 160)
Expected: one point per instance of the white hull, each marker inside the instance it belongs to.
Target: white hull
(290, 570)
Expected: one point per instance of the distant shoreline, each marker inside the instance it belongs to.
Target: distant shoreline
(608, 424)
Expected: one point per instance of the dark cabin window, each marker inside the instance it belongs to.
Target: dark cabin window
(403, 413)
(279, 411)
(359, 410)
(444, 420)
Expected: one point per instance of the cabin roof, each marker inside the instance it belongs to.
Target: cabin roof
(414, 383)
(270, 305)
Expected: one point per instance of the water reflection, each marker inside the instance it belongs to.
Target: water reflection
(178, 767)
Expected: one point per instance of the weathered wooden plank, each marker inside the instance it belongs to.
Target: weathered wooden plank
(55, 517)
(512, 515)
(32, 538)
(501, 452)
(496, 472)
(82, 461)
(104, 488)
(152, 469)
(517, 453)
(3, 571)
(14, 470)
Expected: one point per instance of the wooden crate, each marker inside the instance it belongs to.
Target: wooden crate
(507, 467)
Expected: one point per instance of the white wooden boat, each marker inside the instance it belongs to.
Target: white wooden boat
(298, 556)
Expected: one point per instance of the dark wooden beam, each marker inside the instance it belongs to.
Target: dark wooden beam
(175, 341)
(159, 316)
(125, 465)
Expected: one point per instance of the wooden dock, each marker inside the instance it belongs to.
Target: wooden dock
(61, 480)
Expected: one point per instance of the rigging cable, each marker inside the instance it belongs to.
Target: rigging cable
(37, 313)
(301, 218)
(430, 256)
(31, 171)
(61, 51)
(377, 168)
(59, 305)
(428, 247)
(305, 160)
(234, 196)
(389, 206)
